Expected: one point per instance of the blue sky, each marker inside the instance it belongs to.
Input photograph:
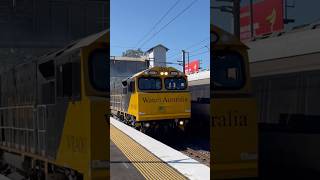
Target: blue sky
(305, 11)
(131, 20)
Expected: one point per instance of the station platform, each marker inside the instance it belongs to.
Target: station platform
(134, 155)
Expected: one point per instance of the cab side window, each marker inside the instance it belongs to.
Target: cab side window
(132, 86)
(228, 70)
(47, 83)
(68, 80)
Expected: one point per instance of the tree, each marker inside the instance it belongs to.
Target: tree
(133, 53)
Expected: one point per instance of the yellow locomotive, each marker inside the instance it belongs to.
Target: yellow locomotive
(233, 109)
(154, 98)
(54, 113)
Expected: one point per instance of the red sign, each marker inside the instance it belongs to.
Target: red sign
(192, 67)
(267, 18)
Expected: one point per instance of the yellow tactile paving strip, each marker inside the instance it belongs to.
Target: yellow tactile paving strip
(148, 164)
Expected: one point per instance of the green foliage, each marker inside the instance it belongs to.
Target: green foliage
(133, 53)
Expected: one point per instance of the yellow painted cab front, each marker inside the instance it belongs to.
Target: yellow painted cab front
(159, 94)
(234, 151)
(157, 106)
(84, 144)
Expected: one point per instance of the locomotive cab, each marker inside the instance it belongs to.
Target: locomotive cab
(233, 109)
(62, 101)
(156, 97)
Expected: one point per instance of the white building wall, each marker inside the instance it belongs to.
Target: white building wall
(151, 57)
(158, 56)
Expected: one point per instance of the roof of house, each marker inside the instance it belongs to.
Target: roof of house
(158, 46)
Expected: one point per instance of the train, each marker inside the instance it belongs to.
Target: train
(153, 100)
(54, 113)
(199, 86)
(234, 132)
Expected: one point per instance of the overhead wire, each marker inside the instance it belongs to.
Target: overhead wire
(173, 19)
(190, 47)
(199, 53)
(158, 22)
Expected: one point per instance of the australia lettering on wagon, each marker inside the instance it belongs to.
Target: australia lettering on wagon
(164, 99)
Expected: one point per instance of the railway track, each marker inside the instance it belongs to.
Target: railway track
(199, 155)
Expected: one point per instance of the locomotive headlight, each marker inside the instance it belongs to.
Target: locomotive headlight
(147, 125)
(161, 73)
(181, 123)
(166, 73)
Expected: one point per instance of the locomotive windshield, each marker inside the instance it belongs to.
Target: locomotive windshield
(175, 83)
(99, 70)
(149, 83)
(228, 70)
